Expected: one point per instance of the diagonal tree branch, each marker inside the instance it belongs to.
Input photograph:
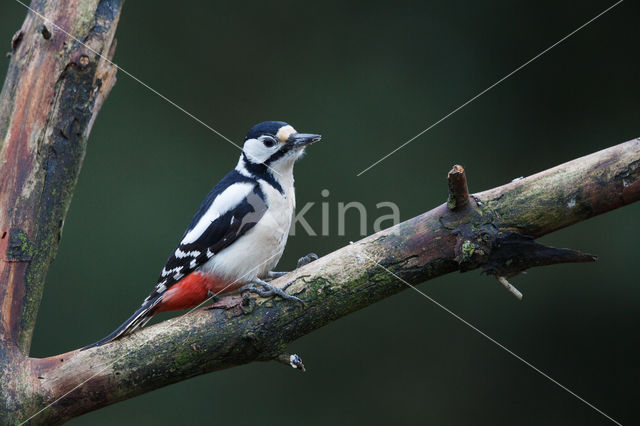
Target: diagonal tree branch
(493, 230)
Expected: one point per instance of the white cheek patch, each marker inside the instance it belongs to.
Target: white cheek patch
(256, 151)
(284, 132)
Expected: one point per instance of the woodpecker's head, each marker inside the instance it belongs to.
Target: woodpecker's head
(275, 144)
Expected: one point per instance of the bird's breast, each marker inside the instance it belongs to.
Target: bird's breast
(259, 250)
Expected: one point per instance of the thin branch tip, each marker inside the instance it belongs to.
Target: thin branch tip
(458, 190)
(510, 287)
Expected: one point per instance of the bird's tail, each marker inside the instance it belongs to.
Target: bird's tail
(138, 319)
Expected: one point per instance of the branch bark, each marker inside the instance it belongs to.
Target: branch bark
(494, 231)
(53, 91)
(52, 94)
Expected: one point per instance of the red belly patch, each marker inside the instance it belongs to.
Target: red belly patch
(192, 290)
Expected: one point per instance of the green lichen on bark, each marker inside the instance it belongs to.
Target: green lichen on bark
(20, 248)
(468, 248)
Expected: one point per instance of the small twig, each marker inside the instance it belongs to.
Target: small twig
(510, 287)
(458, 190)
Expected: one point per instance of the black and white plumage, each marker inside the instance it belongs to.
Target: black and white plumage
(232, 207)
(239, 232)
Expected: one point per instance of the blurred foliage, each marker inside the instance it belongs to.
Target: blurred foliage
(368, 76)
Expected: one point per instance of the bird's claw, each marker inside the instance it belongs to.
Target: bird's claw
(271, 275)
(305, 260)
(268, 290)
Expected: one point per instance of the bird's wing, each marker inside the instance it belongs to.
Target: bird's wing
(232, 207)
(225, 215)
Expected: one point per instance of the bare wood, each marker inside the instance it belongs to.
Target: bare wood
(487, 235)
(458, 191)
(52, 93)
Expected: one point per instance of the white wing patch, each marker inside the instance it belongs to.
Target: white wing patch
(182, 254)
(176, 270)
(227, 200)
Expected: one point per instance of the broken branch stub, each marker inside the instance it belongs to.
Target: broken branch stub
(458, 190)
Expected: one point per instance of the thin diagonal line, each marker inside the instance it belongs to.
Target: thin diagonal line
(490, 87)
(110, 364)
(131, 75)
(492, 340)
(145, 85)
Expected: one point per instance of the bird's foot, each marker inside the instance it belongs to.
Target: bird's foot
(272, 275)
(305, 260)
(264, 289)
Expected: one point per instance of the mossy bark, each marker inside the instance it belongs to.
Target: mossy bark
(53, 91)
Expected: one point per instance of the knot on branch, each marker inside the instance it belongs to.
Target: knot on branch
(473, 245)
(46, 34)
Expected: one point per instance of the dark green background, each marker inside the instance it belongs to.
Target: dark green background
(368, 76)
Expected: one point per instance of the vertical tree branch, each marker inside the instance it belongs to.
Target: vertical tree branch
(51, 96)
(53, 91)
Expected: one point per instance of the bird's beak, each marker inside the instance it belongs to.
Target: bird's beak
(299, 140)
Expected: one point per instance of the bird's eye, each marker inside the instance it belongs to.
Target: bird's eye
(269, 142)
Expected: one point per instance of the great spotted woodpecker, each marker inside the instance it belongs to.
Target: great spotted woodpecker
(239, 232)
